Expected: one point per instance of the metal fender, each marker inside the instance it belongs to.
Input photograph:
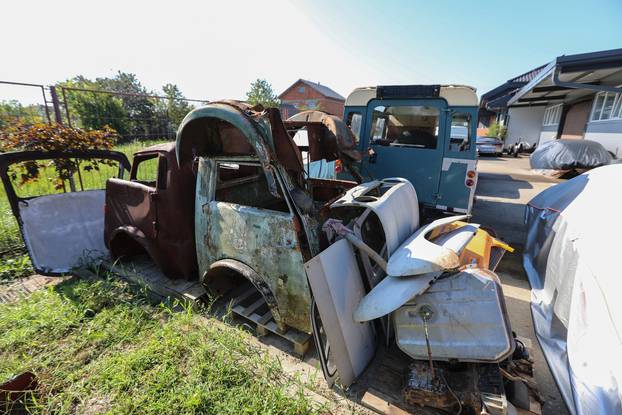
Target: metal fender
(418, 256)
(393, 292)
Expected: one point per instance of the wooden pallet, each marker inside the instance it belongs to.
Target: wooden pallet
(248, 304)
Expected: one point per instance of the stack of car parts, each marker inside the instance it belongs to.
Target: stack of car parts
(442, 308)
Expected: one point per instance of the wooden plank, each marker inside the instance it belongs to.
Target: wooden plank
(265, 318)
(381, 403)
(244, 296)
(251, 308)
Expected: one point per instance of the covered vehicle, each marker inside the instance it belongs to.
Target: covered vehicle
(571, 253)
(564, 155)
(489, 145)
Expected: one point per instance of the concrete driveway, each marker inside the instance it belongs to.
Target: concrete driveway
(505, 185)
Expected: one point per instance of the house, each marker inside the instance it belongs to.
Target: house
(306, 95)
(493, 104)
(572, 97)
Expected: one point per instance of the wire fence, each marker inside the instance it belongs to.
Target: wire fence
(139, 119)
(135, 116)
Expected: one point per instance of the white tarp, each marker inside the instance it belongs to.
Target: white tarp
(573, 256)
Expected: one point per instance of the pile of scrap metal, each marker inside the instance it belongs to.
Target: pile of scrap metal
(433, 292)
(346, 262)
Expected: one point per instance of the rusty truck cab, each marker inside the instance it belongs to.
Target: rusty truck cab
(255, 214)
(152, 211)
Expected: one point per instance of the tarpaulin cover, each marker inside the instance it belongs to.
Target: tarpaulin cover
(573, 255)
(569, 154)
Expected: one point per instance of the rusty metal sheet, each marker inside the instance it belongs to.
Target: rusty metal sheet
(227, 128)
(267, 241)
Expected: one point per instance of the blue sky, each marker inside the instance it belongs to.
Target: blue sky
(214, 49)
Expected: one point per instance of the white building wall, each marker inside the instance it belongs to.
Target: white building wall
(608, 133)
(524, 125)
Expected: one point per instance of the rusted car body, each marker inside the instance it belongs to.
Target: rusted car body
(154, 216)
(257, 216)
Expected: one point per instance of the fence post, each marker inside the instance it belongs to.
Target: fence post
(56, 104)
(59, 120)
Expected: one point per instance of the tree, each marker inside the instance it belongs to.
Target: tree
(176, 106)
(95, 110)
(140, 109)
(261, 93)
(13, 111)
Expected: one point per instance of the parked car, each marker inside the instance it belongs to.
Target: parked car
(521, 147)
(423, 133)
(565, 155)
(489, 145)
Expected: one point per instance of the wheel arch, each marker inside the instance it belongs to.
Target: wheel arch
(224, 268)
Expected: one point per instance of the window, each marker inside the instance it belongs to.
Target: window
(607, 106)
(301, 89)
(460, 135)
(552, 115)
(245, 184)
(147, 170)
(405, 126)
(355, 121)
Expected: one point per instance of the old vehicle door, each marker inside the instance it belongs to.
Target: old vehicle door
(238, 218)
(58, 201)
(404, 138)
(459, 168)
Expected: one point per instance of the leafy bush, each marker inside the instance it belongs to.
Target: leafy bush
(44, 137)
(497, 130)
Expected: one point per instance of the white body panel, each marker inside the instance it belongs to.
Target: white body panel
(60, 229)
(397, 208)
(337, 287)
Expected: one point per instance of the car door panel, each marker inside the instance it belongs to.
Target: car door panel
(62, 224)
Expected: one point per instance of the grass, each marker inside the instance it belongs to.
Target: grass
(10, 237)
(96, 347)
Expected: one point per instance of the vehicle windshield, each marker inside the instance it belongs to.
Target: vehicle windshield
(405, 126)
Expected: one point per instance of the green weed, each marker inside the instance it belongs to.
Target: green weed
(97, 348)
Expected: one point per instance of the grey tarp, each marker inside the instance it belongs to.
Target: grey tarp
(573, 256)
(568, 155)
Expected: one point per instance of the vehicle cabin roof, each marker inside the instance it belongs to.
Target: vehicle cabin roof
(168, 147)
(455, 95)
